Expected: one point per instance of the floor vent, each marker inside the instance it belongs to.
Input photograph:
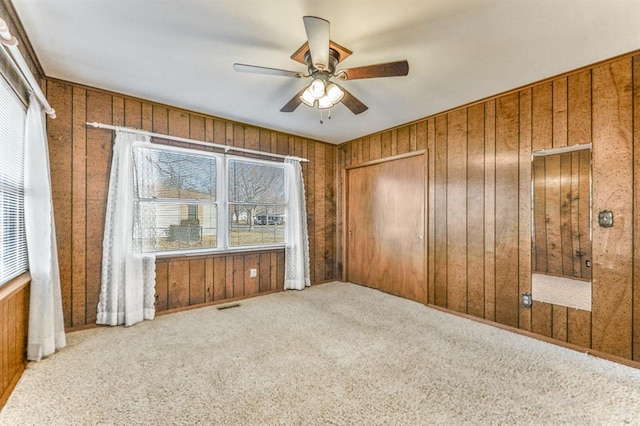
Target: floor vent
(234, 305)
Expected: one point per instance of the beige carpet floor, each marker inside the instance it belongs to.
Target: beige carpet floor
(331, 354)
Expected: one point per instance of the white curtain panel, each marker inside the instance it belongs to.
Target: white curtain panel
(46, 323)
(128, 276)
(296, 275)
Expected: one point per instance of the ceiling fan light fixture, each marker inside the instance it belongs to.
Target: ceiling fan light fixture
(325, 102)
(307, 98)
(335, 93)
(316, 88)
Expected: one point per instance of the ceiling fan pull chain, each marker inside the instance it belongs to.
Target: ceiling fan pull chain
(329, 115)
(321, 122)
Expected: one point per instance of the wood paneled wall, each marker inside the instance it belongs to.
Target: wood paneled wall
(14, 319)
(80, 162)
(204, 279)
(479, 200)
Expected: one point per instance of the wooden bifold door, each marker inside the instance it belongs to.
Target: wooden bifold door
(386, 226)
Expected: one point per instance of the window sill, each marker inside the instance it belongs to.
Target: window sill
(14, 285)
(208, 254)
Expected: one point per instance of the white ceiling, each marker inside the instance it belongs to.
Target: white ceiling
(181, 52)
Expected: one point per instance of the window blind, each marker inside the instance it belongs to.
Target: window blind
(13, 245)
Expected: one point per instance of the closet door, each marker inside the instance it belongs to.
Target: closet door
(386, 226)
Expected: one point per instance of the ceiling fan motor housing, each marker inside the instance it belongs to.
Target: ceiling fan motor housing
(334, 58)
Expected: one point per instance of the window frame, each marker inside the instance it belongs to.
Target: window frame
(222, 203)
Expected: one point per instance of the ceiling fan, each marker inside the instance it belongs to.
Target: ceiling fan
(321, 56)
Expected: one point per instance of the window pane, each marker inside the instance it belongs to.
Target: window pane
(256, 225)
(255, 183)
(175, 226)
(173, 175)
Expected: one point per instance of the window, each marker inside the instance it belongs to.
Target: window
(192, 213)
(201, 201)
(256, 203)
(176, 203)
(13, 245)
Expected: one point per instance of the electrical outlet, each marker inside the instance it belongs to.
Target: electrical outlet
(527, 300)
(253, 272)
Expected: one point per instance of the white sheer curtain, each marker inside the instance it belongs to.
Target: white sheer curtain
(296, 275)
(128, 276)
(46, 324)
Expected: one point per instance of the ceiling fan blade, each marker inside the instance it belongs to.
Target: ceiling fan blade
(353, 103)
(264, 70)
(389, 69)
(318, 36)
(293, 103)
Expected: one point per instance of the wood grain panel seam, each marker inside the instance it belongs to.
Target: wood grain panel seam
(466, 178)
(566, 325)
(189, 285)
(484, 218)
(72, 198)
(634, 277)
(446, 216)
(495, 202)
(518, 266)
(86, 209)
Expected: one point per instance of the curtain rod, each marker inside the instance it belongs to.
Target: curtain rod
(10, 45)
(226, 148)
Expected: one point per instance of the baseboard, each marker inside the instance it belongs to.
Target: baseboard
(599, 354)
